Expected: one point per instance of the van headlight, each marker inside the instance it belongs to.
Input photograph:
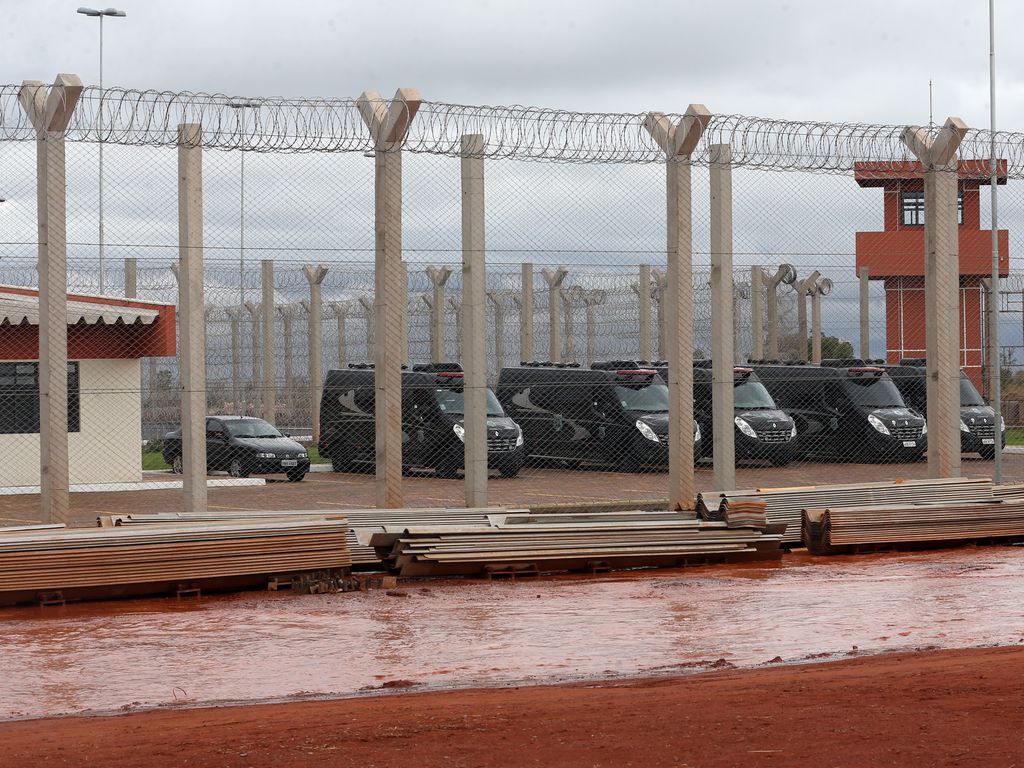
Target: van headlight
(460, 431)
(963, 426)
(924, 428)
(519, 438)
(792, 432)
(1002, 424)
(744, 426)
(696, 432)
(877, 423)
(646, 431)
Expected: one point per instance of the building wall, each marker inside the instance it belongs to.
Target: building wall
(108, 448)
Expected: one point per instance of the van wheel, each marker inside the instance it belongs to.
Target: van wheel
(296, 476)
(988, 452)
(510, 470)
(178, 465)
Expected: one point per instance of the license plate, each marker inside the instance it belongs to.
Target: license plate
(289, 463)
(988, 441)
(909, 444)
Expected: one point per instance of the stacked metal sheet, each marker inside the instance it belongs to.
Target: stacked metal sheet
(842, 529)
(363, 519)
(82, 559)
(784, 505)
(1008, 492)
(564, 542)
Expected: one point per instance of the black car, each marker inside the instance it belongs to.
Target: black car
(433, 412)
(243, 446)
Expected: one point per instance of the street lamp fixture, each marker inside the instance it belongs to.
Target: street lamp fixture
(98, 13)
(242, 105)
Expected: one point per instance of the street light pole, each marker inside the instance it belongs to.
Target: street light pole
(94, 12)
(242, 105)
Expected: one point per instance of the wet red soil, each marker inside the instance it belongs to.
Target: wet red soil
(942, 708)
(458, 634)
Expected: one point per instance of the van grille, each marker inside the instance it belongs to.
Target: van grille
(907, 433)
(984, 430)
(501, 444)
(774, 435)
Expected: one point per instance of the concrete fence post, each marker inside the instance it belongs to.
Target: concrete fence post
(569, 298)
(822, 288)
(938, 155)
(804, 288)
(756, 313)
(316, 275)
(388, 124)
(369, 317)
(255, 332)
(592, 299)
(340, 311)
(287, 314)
(661, 292)
(554, 278)
(784, 275)
(722, 331)
(438, 278)
(865, 328)
(500, 302)
(525, 302)
(192, 318)
(49, 109)
(644, 294)
(131, 282)
(268, 399)
(456, 306)
(678, 141)
(235, 317)
(473, 321)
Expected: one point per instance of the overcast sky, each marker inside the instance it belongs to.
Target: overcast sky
(865, 61)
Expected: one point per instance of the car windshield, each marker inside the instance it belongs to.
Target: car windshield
(454, 401)
(874, 392)
(751, 396)
(252, 428)
(649, 398)
(968, 394)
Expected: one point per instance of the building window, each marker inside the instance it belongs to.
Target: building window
(912, 208)
(19, 398)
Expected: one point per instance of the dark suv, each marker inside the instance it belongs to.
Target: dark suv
(243, 446)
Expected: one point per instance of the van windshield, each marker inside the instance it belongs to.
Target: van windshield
(751, 396)
(454, 401)
(873, 392)
(968, 394)
(251, 428)
(649, 398)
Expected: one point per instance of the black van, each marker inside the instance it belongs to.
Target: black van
(613, 413)
(432, 422)
(977, 418)
(849, 412)
(762, 431)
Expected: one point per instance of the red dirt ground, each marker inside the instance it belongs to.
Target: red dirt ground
(942, 708)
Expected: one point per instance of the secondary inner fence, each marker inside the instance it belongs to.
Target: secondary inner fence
(801, 241)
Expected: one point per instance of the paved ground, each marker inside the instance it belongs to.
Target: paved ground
(327, 490)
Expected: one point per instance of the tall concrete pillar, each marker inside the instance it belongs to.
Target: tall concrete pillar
(191, 318)
(438, 278)
(286, 312)
(942, 290)
(554, 278)
(723, 413)
(822, 288)
(315, 307)
(268, 399)
(865, 328)
(644, 294)
(525, 301)
(592, 299)
(474, 324)
(403, 308)
(255, 332)
(678, 142)
(49, 109)
(500, 301)
(235, 317)
(456, 307)
(340, 311)
(804, 288)
(756, 313)
(388, 124)
(369, 317)
(785, 275)
(569, 298)
(131, 282)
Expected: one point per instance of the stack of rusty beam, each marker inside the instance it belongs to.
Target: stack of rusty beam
(1008, 492)
(834, 530)
(153, 559)
(566, 542)
(358, 519)
(738, 512)
(784, 505)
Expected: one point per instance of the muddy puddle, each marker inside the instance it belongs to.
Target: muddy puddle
(140, 653)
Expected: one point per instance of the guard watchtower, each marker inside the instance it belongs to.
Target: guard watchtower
(896, 256)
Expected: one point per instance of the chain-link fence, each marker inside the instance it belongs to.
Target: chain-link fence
(825, 247)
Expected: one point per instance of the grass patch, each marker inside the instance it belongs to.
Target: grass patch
(1015, 436)
(154, 460)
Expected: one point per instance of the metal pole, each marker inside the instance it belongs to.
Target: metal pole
(99, 123)
(268, 401)
(526, 314)
(995, 376)
(241, 219)
(756, 327)
(644, 294)
(865, 329)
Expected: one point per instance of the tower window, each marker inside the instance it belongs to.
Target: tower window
(912, 208)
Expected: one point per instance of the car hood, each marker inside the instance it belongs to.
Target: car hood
(268, 444)
(773, 419)
(974, 415)
(897, 417)
(656, 421)
(497, 426)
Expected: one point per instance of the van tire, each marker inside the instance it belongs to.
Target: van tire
(780, 461)
(988, 453)
(448, 470)
(296, 476)
(510, 470)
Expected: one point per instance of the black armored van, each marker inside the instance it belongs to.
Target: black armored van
(432, 422)
(977, 418)
(845, 411)
(762, 430)
(613, 413)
